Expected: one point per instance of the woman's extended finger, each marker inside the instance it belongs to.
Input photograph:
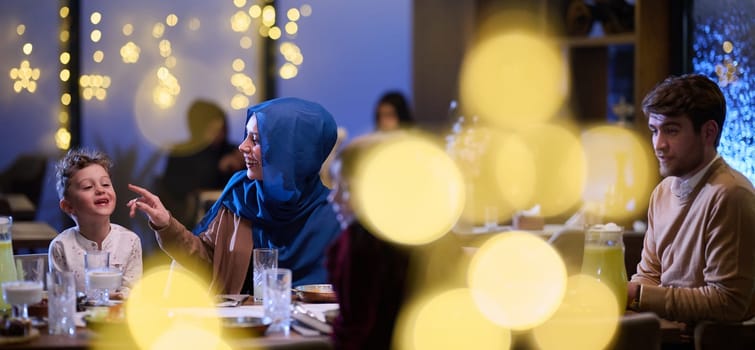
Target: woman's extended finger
(140, 190)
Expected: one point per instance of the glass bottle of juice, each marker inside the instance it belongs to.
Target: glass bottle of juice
(604, 259)
(7, 267)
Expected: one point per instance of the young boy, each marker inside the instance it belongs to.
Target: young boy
(87, 195)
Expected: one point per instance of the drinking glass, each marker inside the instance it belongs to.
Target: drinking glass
(263, 259)
(28, 288)
(99, 277)
(61, 302)
(277, 299)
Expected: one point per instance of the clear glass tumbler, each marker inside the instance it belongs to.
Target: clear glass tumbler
(262, 259)
(277, 299)
(61, 302)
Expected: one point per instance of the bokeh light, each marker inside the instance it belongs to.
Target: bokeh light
(65, 57)
(65, 74)
(268, 16)
(64, 36)
(288, 71)
(240, 22)
(62, 139)
(165, 47)
(306, 10)
(238, 65)
(245, 42)
(27, 48)
(560, 163)
(495, 188)
(513, 80)
(291, 28)
(255, 11)
(130, 52)
(516, 184)
(158, 30)
(448, 320)
(587, 319)
(20, 29)
(239, 3)
(95, 18)
(25, 77)
(274, 33)
(96, 35)
(98, 56)
(408, 190)
(194, 24)
(620, 172)
(151, 317)
(128, 29)
(517, 280)
(171, 20)
(293, 14)
(64, 11)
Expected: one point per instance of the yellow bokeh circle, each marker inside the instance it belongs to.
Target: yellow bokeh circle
(151, 309)
(587, 319)
(517, 279)
(513, 79)
(408, 190)
(448, 320)
(560, 168)
(515, 171)
(620, 172)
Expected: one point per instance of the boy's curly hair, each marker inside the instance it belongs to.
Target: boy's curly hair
(75, 160)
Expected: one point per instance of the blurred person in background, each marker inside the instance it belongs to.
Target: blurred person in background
(369, 275)
(204, 162)
(393, 112)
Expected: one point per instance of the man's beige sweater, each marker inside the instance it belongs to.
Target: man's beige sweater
(698, 259)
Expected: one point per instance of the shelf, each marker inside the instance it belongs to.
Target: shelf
(599, 41)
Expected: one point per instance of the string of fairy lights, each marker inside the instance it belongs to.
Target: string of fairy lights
(251, 21)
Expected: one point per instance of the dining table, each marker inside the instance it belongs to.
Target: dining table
(300, 336)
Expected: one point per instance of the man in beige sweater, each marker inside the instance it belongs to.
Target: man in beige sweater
(698, 259)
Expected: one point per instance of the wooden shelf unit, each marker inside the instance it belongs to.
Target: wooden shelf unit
(592, 58)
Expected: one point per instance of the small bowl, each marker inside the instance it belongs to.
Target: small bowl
(316, 293)
(242, 327)
(102, 324)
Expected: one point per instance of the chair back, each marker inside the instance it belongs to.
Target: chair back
(26, 175)
(638, 331)
(570, 244)
(718, 335)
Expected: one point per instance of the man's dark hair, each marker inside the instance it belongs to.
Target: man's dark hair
(691, 95)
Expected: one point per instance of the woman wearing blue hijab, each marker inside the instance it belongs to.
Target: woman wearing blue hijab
(277, 202)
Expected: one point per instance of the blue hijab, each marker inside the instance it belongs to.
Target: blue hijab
(288, 208)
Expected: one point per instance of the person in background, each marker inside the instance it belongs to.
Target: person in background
(392, 112)
(277, 202)
(87, 195)
(207, 156)
(698, 258)
(369, 275)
